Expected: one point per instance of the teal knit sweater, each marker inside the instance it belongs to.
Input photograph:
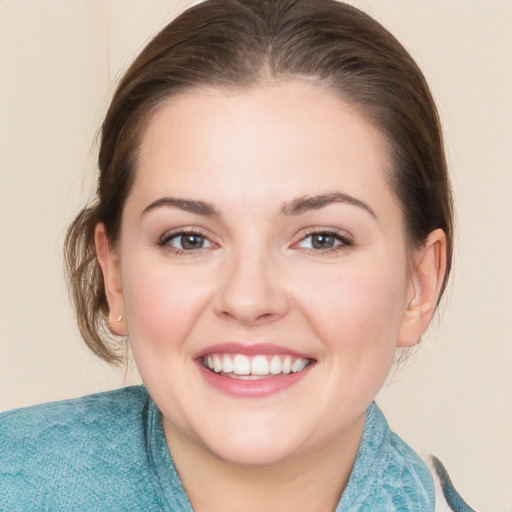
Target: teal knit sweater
(107, 452)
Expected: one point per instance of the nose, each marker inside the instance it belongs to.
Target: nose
(251, 292)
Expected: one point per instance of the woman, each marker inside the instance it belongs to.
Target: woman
(273, 219)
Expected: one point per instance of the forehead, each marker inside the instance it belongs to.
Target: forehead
(295, 135)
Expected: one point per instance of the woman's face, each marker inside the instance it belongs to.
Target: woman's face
(262, 269)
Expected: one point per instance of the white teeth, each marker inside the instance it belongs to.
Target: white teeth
(275, 365)
(299, 365)
(227, 364)
(217, 364)
(260, 366)
(287, 364)
(241, 365)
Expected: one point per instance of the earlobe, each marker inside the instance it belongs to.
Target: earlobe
(110, 266)
(425, 283)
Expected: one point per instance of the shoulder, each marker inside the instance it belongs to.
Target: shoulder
(104, 400)
(407, 476)
(447, 499)
(49, 451)
(403, 472)
(387, 473)
(403, 460)
(68, 420)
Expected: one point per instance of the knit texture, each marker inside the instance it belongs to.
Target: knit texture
(108, 452)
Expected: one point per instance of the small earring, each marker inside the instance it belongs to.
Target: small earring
(119, 318)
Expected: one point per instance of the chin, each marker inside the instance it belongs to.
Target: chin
(263, 447)
(253, 455)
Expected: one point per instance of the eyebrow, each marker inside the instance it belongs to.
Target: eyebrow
(306, 203)
(187, 205)
(295, 207)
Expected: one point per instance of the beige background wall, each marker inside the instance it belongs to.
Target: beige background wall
(58, 61)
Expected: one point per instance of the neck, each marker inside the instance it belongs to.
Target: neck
(310, 481)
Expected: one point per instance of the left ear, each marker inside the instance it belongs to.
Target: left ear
(425, 281)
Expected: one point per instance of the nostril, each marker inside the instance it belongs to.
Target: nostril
(248, 318)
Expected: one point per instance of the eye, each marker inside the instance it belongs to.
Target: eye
(324, 241)
(187, 241)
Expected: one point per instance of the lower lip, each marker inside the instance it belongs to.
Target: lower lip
(252, 388)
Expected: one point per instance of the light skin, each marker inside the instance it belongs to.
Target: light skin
(293, 238)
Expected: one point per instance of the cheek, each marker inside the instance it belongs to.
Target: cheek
(162, 304)
(354, 309)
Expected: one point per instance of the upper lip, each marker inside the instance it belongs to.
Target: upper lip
(249, 349)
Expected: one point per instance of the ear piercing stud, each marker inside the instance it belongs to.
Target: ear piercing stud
(119, 318)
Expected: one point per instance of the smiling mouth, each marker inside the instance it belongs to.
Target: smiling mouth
(240, 366)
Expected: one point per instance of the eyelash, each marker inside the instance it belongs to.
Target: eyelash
(341, 239)
(166, 238)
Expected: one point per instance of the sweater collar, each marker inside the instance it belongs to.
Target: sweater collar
(387, 474)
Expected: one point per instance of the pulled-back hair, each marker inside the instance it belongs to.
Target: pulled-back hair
(241, 44)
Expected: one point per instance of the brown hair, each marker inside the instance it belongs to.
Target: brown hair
(241, 43)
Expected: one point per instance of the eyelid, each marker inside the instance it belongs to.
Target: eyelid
(315, 230)
(163, 240)
(346, 240)
(177, 236)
